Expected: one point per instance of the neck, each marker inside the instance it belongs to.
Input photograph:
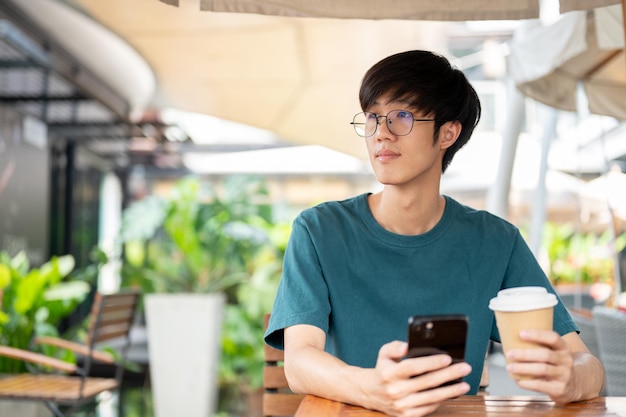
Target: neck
(407, 214)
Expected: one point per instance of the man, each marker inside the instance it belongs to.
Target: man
(355, 270)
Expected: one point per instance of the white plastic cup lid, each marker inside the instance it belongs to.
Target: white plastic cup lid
(522, 299)
(517, 290)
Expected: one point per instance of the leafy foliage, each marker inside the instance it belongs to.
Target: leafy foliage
(35, 300)
(577, 257)
(196, 240)
(202, 240)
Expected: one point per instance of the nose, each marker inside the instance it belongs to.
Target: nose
(382, 130)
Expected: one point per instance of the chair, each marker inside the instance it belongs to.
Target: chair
(611, 333)
(111, 318)
(584, 320)
(278, 400)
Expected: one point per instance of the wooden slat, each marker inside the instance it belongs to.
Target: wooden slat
(114, 317)
(281, 404)
(274, 377)
(75, 347)
(113, 313)
(37, 358)
(284, 402)
(111, 332)
(273, 355)
(58, 388)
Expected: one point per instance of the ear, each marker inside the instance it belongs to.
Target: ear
(449, 133)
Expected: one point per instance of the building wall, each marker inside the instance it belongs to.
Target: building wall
(24, 186)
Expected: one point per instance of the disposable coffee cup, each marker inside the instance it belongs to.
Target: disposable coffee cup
(522, 308)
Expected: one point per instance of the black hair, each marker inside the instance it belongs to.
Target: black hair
(428, 82)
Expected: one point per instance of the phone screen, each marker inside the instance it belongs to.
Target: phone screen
(431, 335)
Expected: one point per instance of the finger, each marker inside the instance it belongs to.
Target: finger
(544, 337)
(434, 379)
(557, 358)
(395, 349)
(539, 371)
(432, 396)
(404, 385)
(538, 354)
(418, 366)
(420, 411)
(553, 388)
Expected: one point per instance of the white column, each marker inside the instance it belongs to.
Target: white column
(498, 195)
(539, 207)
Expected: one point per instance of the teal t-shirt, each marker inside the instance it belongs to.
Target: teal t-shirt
(359, 283)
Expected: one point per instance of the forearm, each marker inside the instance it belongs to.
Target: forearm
(313, 371)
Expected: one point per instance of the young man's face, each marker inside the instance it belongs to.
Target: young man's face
(403, 160)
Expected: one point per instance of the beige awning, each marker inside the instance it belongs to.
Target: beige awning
(377, 9)
(548, 63)
(295, 76)
(416, 10)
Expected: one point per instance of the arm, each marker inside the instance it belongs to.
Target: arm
(389, 387)
(566, 370)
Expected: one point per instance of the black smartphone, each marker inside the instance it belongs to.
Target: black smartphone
(431, 335)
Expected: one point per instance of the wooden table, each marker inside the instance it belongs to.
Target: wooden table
(479, 406)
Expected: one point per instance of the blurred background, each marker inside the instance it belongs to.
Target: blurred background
(167, 145)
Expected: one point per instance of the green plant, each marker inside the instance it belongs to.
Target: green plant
(35, 300)
(242, 362)
(202, 240)
(196, 240)
(577, 257)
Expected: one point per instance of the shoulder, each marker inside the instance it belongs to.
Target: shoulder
(334, 210)
(481, 221)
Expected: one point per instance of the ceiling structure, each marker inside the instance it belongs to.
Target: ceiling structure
(290, 67)
(47, 77)
(296, 77)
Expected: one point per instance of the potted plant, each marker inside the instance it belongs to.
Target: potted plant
(189, 252)
(34, 301)
(241, 367)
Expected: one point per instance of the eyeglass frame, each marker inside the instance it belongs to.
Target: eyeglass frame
(378, 116)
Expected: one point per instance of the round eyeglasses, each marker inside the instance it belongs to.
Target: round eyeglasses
(399, 122)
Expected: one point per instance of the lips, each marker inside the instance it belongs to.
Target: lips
(386, 154)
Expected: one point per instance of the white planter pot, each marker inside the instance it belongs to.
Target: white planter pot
(184, 346)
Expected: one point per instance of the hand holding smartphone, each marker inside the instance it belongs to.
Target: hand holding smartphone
(431, 335)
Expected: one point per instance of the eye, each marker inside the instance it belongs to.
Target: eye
(371, 116)
(404, 114)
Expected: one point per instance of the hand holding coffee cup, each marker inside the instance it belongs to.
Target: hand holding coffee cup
(522, 308)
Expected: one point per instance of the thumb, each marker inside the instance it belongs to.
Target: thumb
(393, 350)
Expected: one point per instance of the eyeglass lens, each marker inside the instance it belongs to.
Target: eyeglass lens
(399, 122)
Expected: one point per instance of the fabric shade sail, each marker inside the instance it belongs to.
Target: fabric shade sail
(253, 62)
(377, 9)
(548, 63)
